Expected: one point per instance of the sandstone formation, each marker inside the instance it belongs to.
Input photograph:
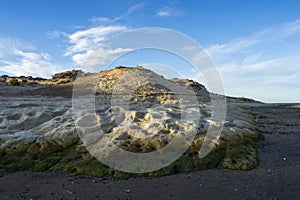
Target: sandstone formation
(37, 132)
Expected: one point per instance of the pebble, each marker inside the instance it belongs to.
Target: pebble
(126, 190)
(69, 192)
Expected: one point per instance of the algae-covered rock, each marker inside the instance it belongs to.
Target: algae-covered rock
(39, 134)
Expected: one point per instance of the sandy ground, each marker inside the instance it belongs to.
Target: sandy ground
(276, 177)
(37, 90)
(275, 183)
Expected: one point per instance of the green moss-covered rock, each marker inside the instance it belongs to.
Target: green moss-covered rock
(90, 167)
(41, 136)
(231, 152)
(243, 157)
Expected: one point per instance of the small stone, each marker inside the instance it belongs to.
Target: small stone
(126, 190)
(69, 192)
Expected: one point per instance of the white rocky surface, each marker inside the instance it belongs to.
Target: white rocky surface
(148, 121)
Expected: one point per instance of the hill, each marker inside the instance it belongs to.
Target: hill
(38, 132)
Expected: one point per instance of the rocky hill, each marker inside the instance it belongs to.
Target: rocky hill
(57, 79)
(37, 130)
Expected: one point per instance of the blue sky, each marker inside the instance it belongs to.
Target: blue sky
(254, 44)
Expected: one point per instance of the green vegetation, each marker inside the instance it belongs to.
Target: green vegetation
(120, 67)
(14, 82)
(238, 155)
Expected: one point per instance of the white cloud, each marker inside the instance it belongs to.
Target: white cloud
(8, 45)
(233, 46)
(101, 21)
(168, 12)
(30, 64)
(288, 79)
(55, 34)
(21, 58)
(163, 13)
(99, 58)
(269, 35)
(134, 8)
(46, 56)
(83, 42)
(262, 65)
(262, 62)
(290, 29)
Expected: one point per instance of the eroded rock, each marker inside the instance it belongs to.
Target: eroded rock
(39, 133)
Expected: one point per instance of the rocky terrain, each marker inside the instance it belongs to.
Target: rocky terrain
(277, 175)
(39, 142)
(37, 130)
(57, 79)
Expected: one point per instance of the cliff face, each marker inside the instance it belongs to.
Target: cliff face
(136, 110)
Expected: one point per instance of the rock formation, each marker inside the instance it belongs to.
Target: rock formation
(37, 130)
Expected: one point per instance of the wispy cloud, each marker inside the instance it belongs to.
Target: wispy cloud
(269, 35)
(167, 11)
(290, 29)
(134, 8)
(82, 42)
(233, 46)
(101, 21)
(288, 79)
(7, 46)
(261, 62)
(30, 63)
(21, 58)
(55, 34)
(97, 59)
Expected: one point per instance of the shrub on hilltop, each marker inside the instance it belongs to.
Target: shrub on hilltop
(14, 82)
(68, 75)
